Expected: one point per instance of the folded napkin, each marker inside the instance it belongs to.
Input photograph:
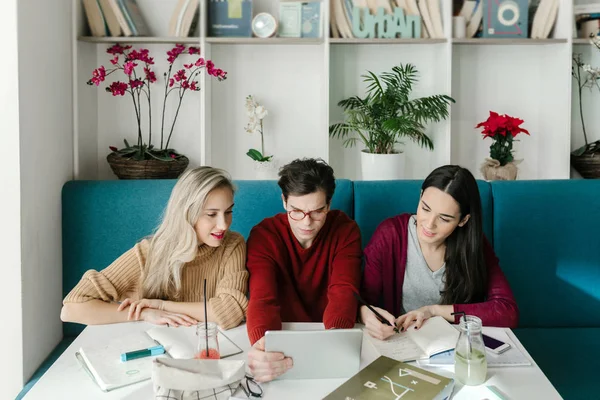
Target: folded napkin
(177, 379)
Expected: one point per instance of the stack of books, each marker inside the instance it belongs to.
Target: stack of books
(115, 18)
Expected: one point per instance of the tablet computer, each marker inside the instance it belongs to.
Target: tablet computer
(318, 354)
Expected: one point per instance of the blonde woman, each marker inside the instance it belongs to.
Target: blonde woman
(160, 280)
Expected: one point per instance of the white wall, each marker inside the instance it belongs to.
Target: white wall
(10, 238)
(46, 159)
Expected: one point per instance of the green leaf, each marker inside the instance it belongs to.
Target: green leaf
(255, 155)
(159, 157)
(580, 151)
(126, 144)
(374, 89)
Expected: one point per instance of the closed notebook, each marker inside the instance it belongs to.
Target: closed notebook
(435, 336)
(103, 362)
(181, 342)
(385, 379)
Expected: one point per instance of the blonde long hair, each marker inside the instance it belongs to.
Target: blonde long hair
(175, 242)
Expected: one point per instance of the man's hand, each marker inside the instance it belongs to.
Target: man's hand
(417, 317)
(159, 317)
(375, 328)
(266, 366)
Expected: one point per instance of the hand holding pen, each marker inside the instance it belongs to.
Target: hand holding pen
(379, 323)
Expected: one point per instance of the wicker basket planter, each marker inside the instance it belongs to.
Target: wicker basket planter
(588, 165)
(125, 168)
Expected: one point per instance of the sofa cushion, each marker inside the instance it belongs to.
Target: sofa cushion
(546, 236)
(103, 219)
(374, 201)
(567, 356)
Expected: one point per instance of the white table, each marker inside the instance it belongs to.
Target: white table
(66, 379)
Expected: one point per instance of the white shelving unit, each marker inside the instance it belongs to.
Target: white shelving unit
(300, 81)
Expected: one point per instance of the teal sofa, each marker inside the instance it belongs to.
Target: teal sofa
(545, 234)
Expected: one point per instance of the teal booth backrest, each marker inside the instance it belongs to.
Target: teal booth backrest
(547, 237)
(103, 219)
(374, 201)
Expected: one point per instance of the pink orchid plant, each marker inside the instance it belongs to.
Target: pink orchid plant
(137, 83)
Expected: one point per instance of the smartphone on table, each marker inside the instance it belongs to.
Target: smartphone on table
(494, 345)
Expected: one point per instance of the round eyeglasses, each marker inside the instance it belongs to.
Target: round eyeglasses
(315, 215)
(251, 388)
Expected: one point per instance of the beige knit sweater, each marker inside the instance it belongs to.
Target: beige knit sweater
(223, 268)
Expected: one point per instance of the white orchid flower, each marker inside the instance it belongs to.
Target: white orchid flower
(261, 112)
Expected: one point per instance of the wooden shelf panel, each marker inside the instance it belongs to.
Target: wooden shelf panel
(385, 41)
(581, 41)
(259, 41)
(140, 39)
(507, 41)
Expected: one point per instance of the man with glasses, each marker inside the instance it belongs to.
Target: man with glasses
(304, 264)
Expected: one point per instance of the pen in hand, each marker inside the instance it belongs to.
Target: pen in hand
(379, 316)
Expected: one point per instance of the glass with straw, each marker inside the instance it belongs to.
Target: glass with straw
(207, 332)
(470, 363)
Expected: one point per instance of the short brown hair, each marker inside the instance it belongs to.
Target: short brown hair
(305, 176)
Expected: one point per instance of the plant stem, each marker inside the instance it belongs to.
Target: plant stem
(580, 87)
(262, 139)
(174, 119)
(162, 124)
(137, 115)
(149, 116)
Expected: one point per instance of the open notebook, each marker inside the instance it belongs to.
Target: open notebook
(103, 361)
(435, 336)
(512, 357)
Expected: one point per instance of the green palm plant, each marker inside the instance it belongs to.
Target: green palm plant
(387, 114)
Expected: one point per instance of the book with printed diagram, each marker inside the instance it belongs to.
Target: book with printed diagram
(386, 378)
(103, 361)
(435, 336)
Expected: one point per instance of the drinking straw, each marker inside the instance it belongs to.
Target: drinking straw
(205, 319)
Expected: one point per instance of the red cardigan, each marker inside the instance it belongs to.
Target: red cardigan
(291, 284)
(385, 264)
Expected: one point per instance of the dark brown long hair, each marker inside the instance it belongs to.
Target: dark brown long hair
(466, 272)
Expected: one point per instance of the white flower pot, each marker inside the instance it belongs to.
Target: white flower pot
(380, 167)
(266, 170)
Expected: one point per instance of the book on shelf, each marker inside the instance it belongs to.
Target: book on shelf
(435, 336)
(544, 13)
(185, 17)
(115, 18)
(386, 378)
(95, 18)
(229, 18)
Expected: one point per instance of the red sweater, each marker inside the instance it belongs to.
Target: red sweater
(292, 284)
(385, 264)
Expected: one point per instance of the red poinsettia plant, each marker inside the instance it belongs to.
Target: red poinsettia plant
(136, 76)
(502, 129)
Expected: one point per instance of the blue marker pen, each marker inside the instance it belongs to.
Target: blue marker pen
(152, 351)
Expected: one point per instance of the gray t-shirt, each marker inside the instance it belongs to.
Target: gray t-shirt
(421, 286)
